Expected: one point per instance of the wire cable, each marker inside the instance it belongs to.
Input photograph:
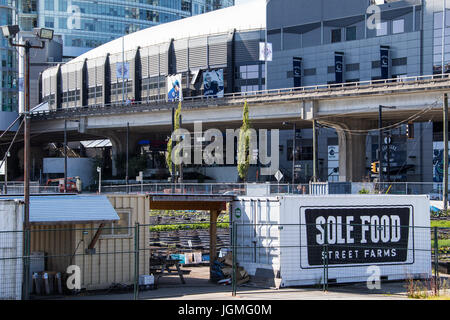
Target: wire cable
(10, 126)
(416, 116)
(12, 142)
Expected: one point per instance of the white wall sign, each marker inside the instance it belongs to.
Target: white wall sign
(265, 51)
(333, 163)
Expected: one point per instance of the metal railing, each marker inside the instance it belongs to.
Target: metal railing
(17, 188)
(159, 104)
(434, 189)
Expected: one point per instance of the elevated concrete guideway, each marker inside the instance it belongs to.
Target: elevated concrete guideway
(347, 106)
(358, 100)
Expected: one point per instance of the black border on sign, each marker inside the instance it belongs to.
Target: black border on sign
(411, 212)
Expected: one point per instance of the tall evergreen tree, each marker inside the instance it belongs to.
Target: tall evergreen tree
(170, 142)
(244, 145)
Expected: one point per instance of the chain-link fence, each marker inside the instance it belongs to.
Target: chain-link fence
(103, 259)
(285, 255)
(58, 261)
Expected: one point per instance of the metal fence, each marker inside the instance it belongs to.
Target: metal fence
(178, 188)
(322, 254)
(15, 188)
(434, 189)
(58, 261)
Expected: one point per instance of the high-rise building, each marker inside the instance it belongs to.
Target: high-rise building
(84, 25)
(8, 87)
(80, 25)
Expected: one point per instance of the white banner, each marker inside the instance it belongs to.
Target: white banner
(174, 89)
(2, 168)
(265, 51)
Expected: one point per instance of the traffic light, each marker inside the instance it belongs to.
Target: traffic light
(410, 130)
(375, 167)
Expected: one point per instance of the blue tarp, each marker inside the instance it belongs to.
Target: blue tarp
(69, 209)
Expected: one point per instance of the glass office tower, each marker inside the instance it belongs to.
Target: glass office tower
(8, 92)
(87, 24)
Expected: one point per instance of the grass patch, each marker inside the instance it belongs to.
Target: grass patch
(440, 223)
(187, 226)
(427, 290)
(442, 243)
(446, 297)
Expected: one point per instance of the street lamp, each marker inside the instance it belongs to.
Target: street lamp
(10, 31)
(99, 170)
(294, 129)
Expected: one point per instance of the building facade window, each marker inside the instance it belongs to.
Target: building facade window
(336, 35)
(398, 26)
(350, 33)
(383, 29)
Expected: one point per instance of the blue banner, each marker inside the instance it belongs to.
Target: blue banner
(339, 66)
(123, 72)
(297, 70)
(384, 62)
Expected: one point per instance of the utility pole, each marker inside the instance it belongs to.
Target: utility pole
(181, 164)
(293, 154)
(294, 129)
(171, 141)
(43, 34)
(127, 147)
(380, 143)
(445, 177)
(388, 155)
(315, 150)
(65, 156)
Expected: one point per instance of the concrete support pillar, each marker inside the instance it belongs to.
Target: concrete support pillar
(352, 136)
(119, 143)
(213, 216)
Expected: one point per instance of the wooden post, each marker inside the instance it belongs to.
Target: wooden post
(213, 215)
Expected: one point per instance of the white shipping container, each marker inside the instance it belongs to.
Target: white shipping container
(287, 234)
(11, 247)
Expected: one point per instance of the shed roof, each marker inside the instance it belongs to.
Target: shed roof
(69, 209)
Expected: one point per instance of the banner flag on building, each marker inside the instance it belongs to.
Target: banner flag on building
(213, 83)
(384, 62)
(123, 70)
(174, 89)
(339, 66)
(265, 51)
(297, 71)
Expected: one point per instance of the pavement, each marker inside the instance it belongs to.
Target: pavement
(198, 288)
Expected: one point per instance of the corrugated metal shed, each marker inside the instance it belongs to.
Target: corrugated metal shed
(70, 209)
